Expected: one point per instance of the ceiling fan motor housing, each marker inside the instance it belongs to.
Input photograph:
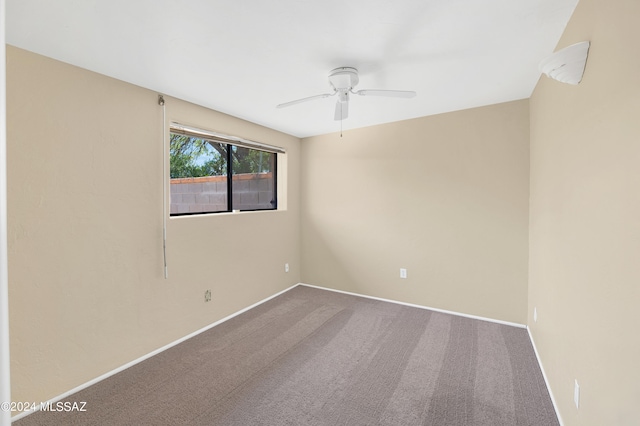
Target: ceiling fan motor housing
(343, 78)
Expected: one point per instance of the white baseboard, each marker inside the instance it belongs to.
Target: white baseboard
(544, 375)
(512, 324)
(147, 356)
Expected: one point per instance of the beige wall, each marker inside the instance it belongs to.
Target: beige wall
(444, 196)
(85, 228)
(585, 221)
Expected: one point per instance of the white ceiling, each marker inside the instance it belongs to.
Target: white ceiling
(243, 57)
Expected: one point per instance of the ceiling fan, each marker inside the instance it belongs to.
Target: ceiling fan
(342, 81)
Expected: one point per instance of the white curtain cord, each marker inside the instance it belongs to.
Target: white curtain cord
(164, 185)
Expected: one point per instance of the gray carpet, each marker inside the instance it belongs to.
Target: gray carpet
(314, 357)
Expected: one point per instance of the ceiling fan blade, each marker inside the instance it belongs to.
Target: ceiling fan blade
(342, 110)
(387, 93)
(310, 98)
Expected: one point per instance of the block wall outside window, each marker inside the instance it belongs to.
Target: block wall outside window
(209, 193)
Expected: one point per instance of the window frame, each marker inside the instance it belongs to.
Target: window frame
(230, 142)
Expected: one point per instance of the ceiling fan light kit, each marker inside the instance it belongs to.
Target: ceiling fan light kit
(566, 65)
(343, 80)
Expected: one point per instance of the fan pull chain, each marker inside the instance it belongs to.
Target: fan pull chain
(341, 119)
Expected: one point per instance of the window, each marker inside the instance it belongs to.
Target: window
(217, 173)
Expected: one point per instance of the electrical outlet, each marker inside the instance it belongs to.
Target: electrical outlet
(207, 296)
(576, 394)
(403, 273)
(535, 315)
(286, 267)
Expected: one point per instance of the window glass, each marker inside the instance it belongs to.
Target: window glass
(198, 175)
(253, 185)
